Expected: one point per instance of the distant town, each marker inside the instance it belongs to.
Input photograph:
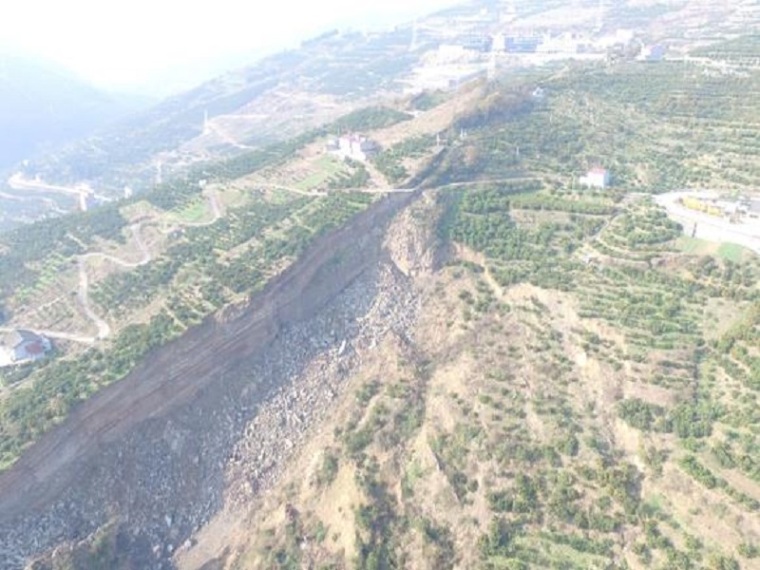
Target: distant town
(469, 46)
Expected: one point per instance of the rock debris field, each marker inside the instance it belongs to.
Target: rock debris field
(166, 477)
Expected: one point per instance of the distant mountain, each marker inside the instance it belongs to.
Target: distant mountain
(276, 97)
(182, 77)
(42, 105)
(283, 94)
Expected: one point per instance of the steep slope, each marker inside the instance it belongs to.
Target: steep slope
(245, 355)
(525, 421)
(446, 410)
(500, 369)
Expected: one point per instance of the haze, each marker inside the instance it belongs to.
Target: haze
(128, 45)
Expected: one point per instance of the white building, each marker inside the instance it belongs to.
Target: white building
(87, 200)
(499, 43)
(565, 43)
(21, 346)
(749, 207)
(354, 147)
(652, 53)
(620, 37)
(597, 177)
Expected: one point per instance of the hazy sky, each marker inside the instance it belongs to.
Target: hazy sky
(123, 42)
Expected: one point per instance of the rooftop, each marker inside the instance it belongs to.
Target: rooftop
(15, 338)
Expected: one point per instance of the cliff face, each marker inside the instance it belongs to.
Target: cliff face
(151, 452)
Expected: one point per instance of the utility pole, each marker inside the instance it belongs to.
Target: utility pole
(492, 65)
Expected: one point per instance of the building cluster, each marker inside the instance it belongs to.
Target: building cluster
(566, 43)
(22, 346)
(354, 147)
(470, 45)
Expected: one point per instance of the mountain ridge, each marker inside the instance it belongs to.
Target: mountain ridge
(45, 105)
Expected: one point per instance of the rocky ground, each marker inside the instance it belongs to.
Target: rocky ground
(379, 303)
(154, 487)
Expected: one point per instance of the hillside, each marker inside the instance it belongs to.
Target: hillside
(516, 364)
(454, 353)
(520, 424)
(280, 95)
(44, 106)
(276, 98)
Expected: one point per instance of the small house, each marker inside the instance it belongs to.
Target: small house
(21, 346)
(753, 209)
(597, 177)
(652, 53)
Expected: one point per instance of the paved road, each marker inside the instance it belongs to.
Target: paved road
(49, 202)
(18, 182)
(708, 227)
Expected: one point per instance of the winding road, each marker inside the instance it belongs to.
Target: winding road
(83, 294)
(49, 202)
(83, 290)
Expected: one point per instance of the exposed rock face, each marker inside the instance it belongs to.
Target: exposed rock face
(212, 416)
(411, 238)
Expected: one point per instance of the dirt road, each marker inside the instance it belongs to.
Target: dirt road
(83, 294)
